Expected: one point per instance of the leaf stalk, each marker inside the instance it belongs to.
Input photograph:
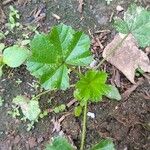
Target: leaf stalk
(84, 127)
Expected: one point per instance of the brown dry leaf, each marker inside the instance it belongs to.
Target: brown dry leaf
(2, 15)
(128, 57)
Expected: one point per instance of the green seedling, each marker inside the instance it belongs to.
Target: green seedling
(59, 108)
(13, 17)
(42, 115)
(18, 81)
(78, 110)
(53, 66)
(14, 112)
(30, 126)
(108, 1)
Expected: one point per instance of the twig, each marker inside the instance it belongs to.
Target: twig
(99, 43)
(7, 2)
(40, 94)
(71, 103)
(102, 31)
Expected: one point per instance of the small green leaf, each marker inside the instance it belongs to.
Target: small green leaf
(59, 108)
(91, 86)
(56, 110)
(52, 54)
(78, 111)
(137, 19)
(59, 143)
(113, 93)
(14, 56)
(62, 107)
(104, 145)
(30, 108)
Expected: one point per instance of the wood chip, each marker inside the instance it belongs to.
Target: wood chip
(56, 16)
(80, 7)
(99, 43)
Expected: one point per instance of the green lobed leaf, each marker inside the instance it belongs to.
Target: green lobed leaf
(52, 54)
(104, 145)
(137, 20)
(113, 93)
(59, 143)
(15, 56)
(91, 86)
(30, 108)
(121, 26)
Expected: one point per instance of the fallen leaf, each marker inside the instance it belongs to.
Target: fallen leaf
(128, 57)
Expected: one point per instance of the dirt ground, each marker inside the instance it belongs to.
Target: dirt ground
(127, 122)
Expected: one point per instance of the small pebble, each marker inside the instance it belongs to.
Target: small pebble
(40, 139)
(90, 114)
(93, 63)
(119, 8)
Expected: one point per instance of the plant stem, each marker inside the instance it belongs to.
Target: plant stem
(40, 94)
(84, 127)
(111, 52)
